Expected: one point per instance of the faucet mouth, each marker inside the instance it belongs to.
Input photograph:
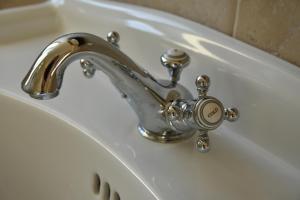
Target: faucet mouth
(44, 96)
(37, 94)
(41, 95)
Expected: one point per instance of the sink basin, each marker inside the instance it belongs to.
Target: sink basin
(43, 157)
(66, 147)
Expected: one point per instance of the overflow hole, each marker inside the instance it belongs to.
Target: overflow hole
(96, 184)
(106, 191)
(116, 196)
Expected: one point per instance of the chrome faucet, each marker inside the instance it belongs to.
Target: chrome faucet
(166, 110)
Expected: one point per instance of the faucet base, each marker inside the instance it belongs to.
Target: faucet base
(167, 136)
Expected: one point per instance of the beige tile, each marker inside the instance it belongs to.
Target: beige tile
(272, 25)
(217, 14)
(16, 3)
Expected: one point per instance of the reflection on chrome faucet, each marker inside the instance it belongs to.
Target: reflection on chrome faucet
(166, 110)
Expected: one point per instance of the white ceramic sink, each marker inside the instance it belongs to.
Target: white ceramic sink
(43, 157)
(53, 149)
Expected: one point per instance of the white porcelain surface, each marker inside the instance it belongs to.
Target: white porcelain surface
(46, 158)
(254, 158)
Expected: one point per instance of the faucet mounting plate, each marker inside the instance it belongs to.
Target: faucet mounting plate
(167, 136)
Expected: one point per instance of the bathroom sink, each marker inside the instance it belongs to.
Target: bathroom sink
(43, 157)
(62, 148)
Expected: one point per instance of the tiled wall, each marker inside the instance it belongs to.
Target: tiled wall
(272, 25)
(15, 3)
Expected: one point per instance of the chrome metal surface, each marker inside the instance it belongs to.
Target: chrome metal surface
(88, 68)
(202, 84)
(166, 110)
(144, 93)
(169, 136)
(203, 114)
(231, 114)
(202, 143)
(113, 37)
(175, 60)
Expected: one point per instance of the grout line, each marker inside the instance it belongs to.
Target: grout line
(236, 18)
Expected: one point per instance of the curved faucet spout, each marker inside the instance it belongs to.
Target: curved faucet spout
(44, 79)
(146, 95)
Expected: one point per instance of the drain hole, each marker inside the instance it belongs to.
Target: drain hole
(96, 184)
(106, 191)
(116, 196)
